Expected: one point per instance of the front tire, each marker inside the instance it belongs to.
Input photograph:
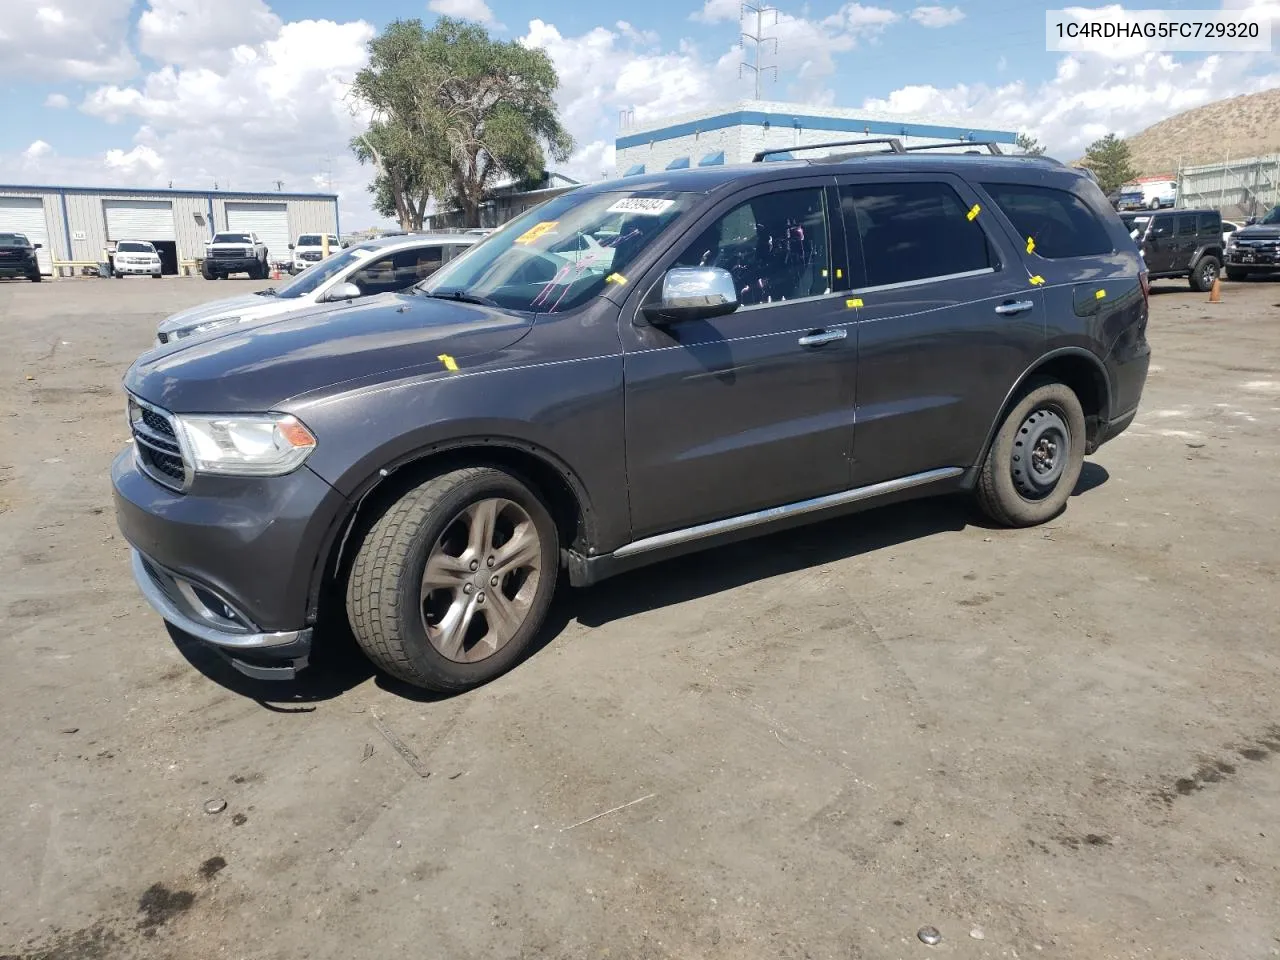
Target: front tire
(452, 583)
(35, 278)
(1035, 459)
(1203, 273)
(206, 271)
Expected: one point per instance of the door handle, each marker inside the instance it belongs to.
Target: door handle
(820, 337)
(1015, 306)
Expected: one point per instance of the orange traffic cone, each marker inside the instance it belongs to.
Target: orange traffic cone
(1215, 292)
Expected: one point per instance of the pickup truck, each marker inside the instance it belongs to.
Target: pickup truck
(232, 252)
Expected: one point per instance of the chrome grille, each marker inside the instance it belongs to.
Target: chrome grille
(156, 446)
(230, 254)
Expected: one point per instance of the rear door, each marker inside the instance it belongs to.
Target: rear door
(947, 319)
(1188, 240)
(737, 413)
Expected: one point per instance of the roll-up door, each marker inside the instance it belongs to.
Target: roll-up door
(139, 220)
(25, 215)
(270, 221)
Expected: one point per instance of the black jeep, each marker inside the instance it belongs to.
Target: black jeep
(1179, 243)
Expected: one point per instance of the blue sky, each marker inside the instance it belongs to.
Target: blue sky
(247, 92)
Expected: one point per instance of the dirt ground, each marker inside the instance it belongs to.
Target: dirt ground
(1059, 742)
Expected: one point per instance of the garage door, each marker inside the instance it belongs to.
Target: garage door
(270, 221)
(139, 220)
(26, 215)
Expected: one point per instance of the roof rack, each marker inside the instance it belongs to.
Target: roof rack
(992, 147)
(893, 143)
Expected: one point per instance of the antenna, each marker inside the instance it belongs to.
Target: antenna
(758, 41)
(328, 171)
(279, 186)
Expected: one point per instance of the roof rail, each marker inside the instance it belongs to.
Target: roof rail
(893, 143)
(992, 147)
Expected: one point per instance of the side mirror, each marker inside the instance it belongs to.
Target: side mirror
(1251, 221)
(37, 246)
(345, 244)
(291, 246)
(343, 291)
(693, 293)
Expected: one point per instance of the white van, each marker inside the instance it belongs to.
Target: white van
(1148, 195)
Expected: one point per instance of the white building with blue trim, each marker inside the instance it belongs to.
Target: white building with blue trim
(734, 134)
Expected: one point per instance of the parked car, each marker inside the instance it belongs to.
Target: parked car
(1255, 248)
(766, 344)
(309, 248)
(1228, 228)
(232, 252)
(1149, 195)
(378, 266)
(18, 257)
(133, 258)
(1182, 243)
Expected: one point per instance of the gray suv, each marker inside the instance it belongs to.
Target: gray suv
(630, 371)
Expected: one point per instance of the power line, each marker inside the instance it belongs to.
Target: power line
(758, 42)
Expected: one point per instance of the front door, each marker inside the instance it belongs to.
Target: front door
(948, 321)
(1160, 252)
(734, 414)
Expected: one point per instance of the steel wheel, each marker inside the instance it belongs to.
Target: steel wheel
(480, 580)
(1040, 453)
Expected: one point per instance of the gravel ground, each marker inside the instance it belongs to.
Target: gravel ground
(1061, 742)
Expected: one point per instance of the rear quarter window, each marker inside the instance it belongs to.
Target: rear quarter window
(1060, 223)
(1210, 223)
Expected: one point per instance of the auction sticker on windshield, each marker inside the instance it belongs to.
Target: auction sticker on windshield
(650, 206)
(536, 231)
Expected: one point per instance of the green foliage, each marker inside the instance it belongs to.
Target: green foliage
(1028, 144)
(1110, 162)
(453, 112)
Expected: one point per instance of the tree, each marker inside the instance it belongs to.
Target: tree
(1109, 159)
(1028, 144)
(452, 113)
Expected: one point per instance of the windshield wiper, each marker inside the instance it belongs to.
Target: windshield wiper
(461, 297)
(269, 292)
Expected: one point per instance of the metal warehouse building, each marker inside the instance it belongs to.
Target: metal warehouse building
(734, 134)
(79, 224)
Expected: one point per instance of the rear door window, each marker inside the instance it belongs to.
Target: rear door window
(1061, 224)
(1187, 225)
(775, 245)
(397, 270)
(911, 231)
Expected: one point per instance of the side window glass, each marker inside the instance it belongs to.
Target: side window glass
(397, 271)
(912, 231)
(1162, 227)
(1187, 226)
(1060, 223)
(776, 246)
(1210, 223)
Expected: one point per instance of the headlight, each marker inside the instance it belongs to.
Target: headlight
(205, 327)
(246, 445)
(1231, 242)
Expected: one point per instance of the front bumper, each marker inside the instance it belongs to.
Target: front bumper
(233, 562)
(232, 264)
(1262, 262)
(144, 269)
(18, 269)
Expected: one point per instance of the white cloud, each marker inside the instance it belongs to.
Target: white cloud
(718, 11)
(197, 31)
(66, 39)
(476, 10)
(57, 101)
(937, 16)
(858, 18)
(37, 150)
(139, 160)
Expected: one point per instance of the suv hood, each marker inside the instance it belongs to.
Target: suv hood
(259, 367)
(1259, 231)
(245, 305)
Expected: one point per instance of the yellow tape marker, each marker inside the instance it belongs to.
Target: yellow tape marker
(851, 304)
(537, 230)
(1031, 245)
(1037, 280)
(824, 272)
(1100, 295)
(974, 211)
(449, 363)
(616, 278)
(839, 273)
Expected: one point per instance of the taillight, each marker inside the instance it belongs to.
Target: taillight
(1144, 279)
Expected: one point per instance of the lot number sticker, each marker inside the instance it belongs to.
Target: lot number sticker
(649, 206)
(536, 231)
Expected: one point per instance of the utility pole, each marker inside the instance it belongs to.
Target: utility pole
(758, 41)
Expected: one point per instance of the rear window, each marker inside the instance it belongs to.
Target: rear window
(1210, 223)
(1059, 222)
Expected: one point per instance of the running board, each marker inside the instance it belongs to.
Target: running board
(717, 527)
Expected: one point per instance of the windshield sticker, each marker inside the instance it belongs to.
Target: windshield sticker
(647, 206)
(536, 231)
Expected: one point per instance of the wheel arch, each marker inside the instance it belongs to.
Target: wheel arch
(1080, 370)
(565, 495)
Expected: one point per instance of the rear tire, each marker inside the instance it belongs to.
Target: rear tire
(417, 605)
(1203, 272)
(1236, 275)
(1035, 459)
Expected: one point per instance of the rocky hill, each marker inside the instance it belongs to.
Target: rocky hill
(1247, 126)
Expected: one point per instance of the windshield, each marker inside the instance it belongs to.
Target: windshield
(232, 238)
(561, 253)
(1271, 218)
(13, 240)
(312, 278)
(133, 246)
